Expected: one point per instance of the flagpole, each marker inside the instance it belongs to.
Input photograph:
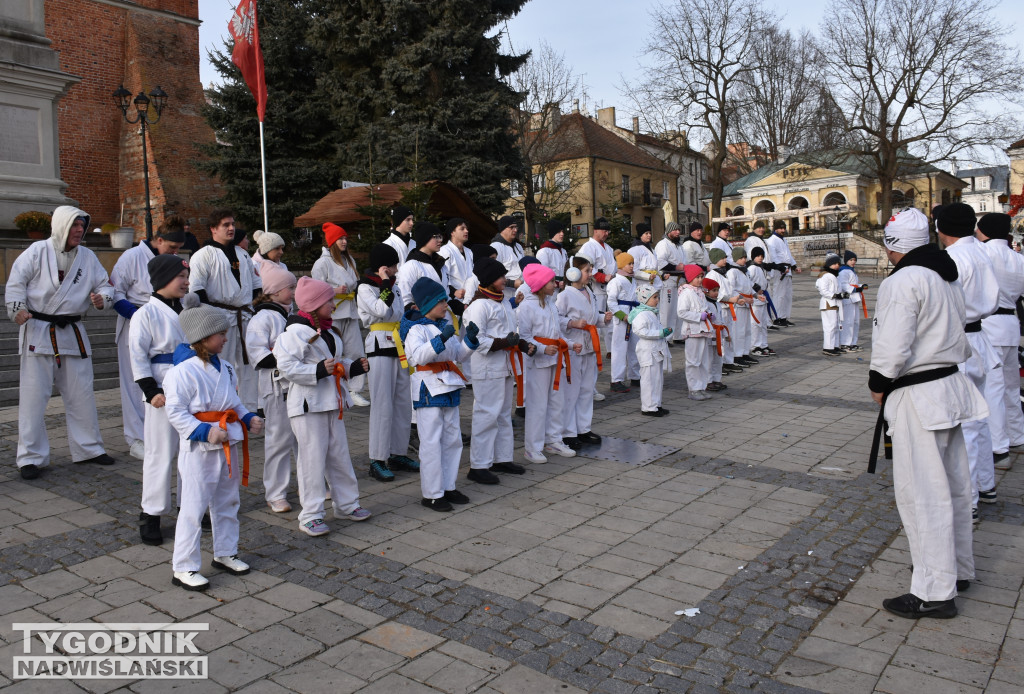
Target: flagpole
(263, 171)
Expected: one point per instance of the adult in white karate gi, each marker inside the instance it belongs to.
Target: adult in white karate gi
(510, 252)
(782, 291)
(955, 226)
(1003, 331)
(50, 285)
(693, 247)
(849, 283)
(743, 297)
(130, 278)
(759, 309)
(552, 255)
(401, 227)
(602, 258)
(458, 263)
(757, 239)
(917, 343)
(721, 242)
(669, 252)
(645, 262)
(829, 306)
(223, 276)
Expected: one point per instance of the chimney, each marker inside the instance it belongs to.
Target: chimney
(575, 105)
(636, 125)
(552, 116)
(683, 139)
(606, 116)
(784, 152)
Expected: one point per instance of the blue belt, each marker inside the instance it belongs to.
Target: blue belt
(162, 359)
(629, 328)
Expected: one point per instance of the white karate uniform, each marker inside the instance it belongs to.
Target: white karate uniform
(754, 241)
(154, 333)
(439, 429)
(1003, 333)
(741, 326)
(759, 309)
(390, 401)
(726, 292)
(578, 411)
(313, 406)
(509, 256)
(714, 359)
(981, 293)
(782, 289)
(696, 253)
(33, 285)
(459, 266)
(493, 382)
(670, 254)
(544, 404)
(193, 386)
(654, 356)
(828, 286)
(401, 245)
(344, 315)
(622, 297)
(724, 246)
(917, 327)
(279, 444)
(646, 267)
(851, 308)
(602, 258)
(556, 259)
(209, 270)
(130, 279)
(698, 334)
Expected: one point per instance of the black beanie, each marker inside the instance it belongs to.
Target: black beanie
(642, 228)
(488, 270)
(757, 252)
(423, 232)
(527, 260)
(957, 219)
(995, 225)
(507, 221)
(451, 225)
(382, 255)
(483, 250)
(555, 227)
(602, 224)
(164, 268)
(399, 214)
(696, 226)
(240, 235)
(848, 255)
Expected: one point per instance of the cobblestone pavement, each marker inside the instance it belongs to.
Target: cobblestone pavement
(570, 578)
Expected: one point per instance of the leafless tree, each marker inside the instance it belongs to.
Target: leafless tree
(699, 53)
(919, 80)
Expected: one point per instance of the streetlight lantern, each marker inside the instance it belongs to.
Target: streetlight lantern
(158, 98)
(839, 236)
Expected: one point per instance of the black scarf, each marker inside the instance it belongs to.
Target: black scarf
(931, 257)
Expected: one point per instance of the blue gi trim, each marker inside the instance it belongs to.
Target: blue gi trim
(200, 433)
(125, 308)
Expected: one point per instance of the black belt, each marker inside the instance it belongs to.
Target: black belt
(901, 382)
(237, 310)
(974, 327)
(1005, 312)
(61, 322)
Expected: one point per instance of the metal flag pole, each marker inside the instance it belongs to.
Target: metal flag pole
(263, 171)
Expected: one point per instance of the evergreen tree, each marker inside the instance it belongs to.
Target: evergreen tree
(416, 92)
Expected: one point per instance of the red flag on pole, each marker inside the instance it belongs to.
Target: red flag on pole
(247, 54)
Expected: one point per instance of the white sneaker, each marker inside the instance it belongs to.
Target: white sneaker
(279, 506)
(559, 448)
(358, 400)
(598, 397)
(233, 565)
(315, 527)
(535, 457)
(137, 449)
(190, 580)
(699, 395)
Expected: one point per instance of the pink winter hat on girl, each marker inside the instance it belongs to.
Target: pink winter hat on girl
(691, 272)
(311, 294)
(536, 276)
(275, 279)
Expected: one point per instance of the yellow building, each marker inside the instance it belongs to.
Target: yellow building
(580, 165)
(1016, 153)
(818, 191)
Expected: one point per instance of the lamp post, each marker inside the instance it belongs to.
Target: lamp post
(839, 236)
(158, 98)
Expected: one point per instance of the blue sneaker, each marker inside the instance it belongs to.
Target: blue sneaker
(403, 462)
(360, 514)
(315, 527)
(379, 471)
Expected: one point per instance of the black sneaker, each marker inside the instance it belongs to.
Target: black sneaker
(962, 585)
(508, 468)
(572, 442)
(635, 382)
(714, 387)
(975, 518)
(788, 323)
(909, 606)
(619, 387)
(101, 459)
(403, 463)
(589, 437)
(652, 413)
(149, 529)
(774, 326)
(853, 348)
(987, 496)
(831, 352)
(29, 472)
(454, 496)
(769, 352)
(436, 504)
(662, 411)
(779, 323)
(380, 471)
(750, 360)
(482, 476)
(737, 364)
(732, 369)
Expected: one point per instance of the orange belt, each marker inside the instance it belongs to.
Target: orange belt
(563, 358)
(223, 418)
(863, 300)
(750, 306)
(718, 337)
(592, 329)
(339, 373)
(514, 354)
(440, 367)
(732, 309)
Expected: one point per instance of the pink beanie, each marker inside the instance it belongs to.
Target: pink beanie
(692, 271)
(536, 276)
(275, 278)
(311, 294)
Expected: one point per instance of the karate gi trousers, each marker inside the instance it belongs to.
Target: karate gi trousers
(440, 449)
(668, 301)
(578, 403)
(161, 457)
(390, 408)
(714, 361)
(352, 348)
(248, 385)
(759, 330)
(931, 480)
(544, 407)
(279, 445)
(977, 436)
(850, 331)
(323, 455)
(739, 331)
(1002, 393)
(830, 328)
(697, 362)
(492, 439)
(652, 382)
(74, 379)
(205, 485)
(782, 296)
(133, 402)
(625, 366)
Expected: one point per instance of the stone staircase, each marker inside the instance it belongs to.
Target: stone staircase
(100, 326)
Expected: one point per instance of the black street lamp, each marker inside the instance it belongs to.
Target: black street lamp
(158, 98)
(839, 236)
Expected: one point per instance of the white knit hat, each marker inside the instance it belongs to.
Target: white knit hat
(645, 292)
(906, 231)
(267, 241)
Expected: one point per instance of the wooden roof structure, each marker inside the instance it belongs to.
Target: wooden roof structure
(446, 201)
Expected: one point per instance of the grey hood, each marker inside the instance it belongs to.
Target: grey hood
(60, 225)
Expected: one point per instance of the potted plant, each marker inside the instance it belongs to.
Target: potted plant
(120, 237)
(35, 224)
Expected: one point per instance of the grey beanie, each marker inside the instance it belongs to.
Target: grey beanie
(201, 322)
(673, 226)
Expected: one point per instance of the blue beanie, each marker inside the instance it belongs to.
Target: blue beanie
(427, 294)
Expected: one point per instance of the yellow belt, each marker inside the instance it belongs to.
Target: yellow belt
(347, 296)
(393, 329)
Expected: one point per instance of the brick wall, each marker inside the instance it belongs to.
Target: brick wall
(100, 154)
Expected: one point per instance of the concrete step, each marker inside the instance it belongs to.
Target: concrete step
(9, 395)
(10, 362)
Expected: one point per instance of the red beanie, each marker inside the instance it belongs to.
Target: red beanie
(332, 232)
(692, 271)
(709, 284)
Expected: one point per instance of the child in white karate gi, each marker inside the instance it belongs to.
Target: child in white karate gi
(652, 350)
(204, 407)
(271, 309)
(695, 320)
(759, 309)
(720, 340)
(433, 350)
(308, 355)
(153, 335)
(827, 285)
(621, 300)
(849, 283)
